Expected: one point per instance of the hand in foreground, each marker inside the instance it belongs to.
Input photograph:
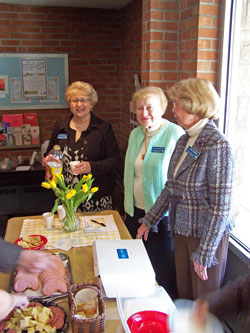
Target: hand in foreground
(35, 261)
(20, 301)
(201, 271)
(82, 167)
(142, 231)
(9, 301)
(50, 158)
(200, 312)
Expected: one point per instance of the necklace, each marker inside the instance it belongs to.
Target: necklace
(145, 143)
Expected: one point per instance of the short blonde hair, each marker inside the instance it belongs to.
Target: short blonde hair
(197, 96)
(81, 87)
(147, 92)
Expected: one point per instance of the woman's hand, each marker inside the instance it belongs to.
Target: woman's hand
(82, 167)
(50, 158)
(200, 270)
(142, 231)
(34, 261)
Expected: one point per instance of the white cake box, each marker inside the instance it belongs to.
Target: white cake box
(123, 266)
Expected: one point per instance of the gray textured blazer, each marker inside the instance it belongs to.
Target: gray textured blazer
(203, 184)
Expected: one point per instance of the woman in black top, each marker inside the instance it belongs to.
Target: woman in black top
(86, 138)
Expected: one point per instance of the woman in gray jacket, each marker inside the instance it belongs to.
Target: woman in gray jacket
(197, 192)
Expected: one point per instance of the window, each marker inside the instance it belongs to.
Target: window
(235, 91)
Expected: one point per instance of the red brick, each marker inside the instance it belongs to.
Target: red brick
(208, 33)
(10, 42)
(163, 65)
(8, 49)
(170, 56)
(156, 76)
(204, 43)
(157, 25)
(31, 43)
(155, 15)
(213, 9)
(154, 35)
(168, 5)
(203, 66)
(205, 21)
(207, 55)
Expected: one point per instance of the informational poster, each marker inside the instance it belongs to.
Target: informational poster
(53, 90)
(33, 81)
(16, 91)
(34, 78)
(3, 85)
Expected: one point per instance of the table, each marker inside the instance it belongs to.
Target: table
(82, 266)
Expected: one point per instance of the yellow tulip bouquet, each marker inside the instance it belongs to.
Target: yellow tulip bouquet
(70, 197)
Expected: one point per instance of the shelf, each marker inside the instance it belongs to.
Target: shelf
(19, 147)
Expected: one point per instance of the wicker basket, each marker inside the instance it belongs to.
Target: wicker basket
(91, 325)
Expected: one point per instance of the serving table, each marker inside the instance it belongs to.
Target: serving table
(82, 265)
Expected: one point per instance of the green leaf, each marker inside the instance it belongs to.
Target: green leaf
(54, 209)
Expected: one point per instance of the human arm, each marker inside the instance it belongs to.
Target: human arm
(10, 301)
(12, 255)
(9, 254)
(109, 153)
(233, 298)
(35, 261)
(156, 212)
(219, 172)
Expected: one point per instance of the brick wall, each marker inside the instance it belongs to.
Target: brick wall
(97, 53)
(130, 62)
(199, 39)
(180, 40)
(160, 40)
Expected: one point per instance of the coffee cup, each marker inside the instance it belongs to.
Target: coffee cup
(73, 164)
(48, 218)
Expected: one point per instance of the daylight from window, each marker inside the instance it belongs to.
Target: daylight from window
(238, 118)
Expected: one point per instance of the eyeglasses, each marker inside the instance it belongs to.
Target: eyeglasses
(82, 100)
(176, 104)
(149, 108)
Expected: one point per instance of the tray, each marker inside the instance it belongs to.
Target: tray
(46, 303)
(37, 294)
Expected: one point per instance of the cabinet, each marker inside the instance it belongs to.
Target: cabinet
(21, 192)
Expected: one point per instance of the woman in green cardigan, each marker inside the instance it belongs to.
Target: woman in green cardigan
(146, 164)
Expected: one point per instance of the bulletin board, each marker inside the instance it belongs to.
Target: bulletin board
(33, 81)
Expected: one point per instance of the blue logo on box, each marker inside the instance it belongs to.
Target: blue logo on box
(122, 253)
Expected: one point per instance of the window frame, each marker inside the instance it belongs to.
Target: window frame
(229, 55)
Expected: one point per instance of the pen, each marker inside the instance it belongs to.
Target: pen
(102, 224)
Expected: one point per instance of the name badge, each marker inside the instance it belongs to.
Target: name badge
(62, 136)
(193, 152)
(158, 150)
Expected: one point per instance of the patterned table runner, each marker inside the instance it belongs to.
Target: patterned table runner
(78, 238)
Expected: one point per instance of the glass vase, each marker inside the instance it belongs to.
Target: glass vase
(71, 221)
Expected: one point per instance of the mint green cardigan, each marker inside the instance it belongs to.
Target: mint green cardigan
(155, 166)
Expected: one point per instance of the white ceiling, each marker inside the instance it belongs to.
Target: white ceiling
(108, 4)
